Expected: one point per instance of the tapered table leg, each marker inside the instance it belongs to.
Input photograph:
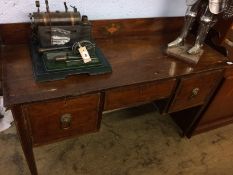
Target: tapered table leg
(25, 138)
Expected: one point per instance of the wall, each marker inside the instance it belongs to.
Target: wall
(13, 11)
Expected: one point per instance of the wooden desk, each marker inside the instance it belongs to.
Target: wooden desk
(142, 73)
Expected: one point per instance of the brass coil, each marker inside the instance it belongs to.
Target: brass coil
(56, 18)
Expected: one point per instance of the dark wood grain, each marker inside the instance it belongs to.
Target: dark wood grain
(188, 119)
(223, 27)
(220, 110)
(141, 73)
(25, 137)
(204, 82)
(135, 27)
(19, 33)
(46, 126)
(134, 60)
(133, 95)
(228, 44)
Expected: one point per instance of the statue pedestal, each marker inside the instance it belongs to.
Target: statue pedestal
(182, 54)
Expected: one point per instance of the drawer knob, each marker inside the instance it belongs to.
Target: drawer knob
(66, 120)
(195, 92)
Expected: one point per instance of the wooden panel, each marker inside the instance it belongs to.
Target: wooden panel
(19, 33)
(220, 111)
(223, 27)
(15, 33)
(228, 44)
(230, 33)
(45, 118)
(134, 27)
(193, 90)
(132, 95)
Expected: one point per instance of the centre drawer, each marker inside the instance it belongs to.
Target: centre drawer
(194, 90)
(53, 120)
(136, 94)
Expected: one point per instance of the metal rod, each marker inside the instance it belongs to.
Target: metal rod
(41, 50)
(38, 6)
(66, 8)
(47, 5)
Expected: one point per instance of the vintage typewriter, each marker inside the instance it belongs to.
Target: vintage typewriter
(61, 45)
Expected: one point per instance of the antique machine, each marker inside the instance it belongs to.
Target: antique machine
(61, 45)
(210, 11)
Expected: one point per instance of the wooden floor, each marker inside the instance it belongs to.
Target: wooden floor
(135, 141)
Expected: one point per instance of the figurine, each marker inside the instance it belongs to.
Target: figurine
(212, 8)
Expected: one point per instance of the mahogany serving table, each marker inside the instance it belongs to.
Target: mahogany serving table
(142, 73)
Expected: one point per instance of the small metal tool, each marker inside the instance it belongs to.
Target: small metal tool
(75, 8)
(88, 44)
(65, 4)
(47, 5)
(41, 50)
(38, 6)
(60, 58)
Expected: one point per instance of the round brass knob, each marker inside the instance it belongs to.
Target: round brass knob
(195, 92)
(66, 120)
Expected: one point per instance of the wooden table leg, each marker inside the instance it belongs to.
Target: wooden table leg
(25, 139)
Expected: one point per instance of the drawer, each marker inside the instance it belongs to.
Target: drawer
(63, 118)
(132, 95)
(194, 90)
(213, 117)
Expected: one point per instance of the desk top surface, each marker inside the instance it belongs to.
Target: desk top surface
(134, 60)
